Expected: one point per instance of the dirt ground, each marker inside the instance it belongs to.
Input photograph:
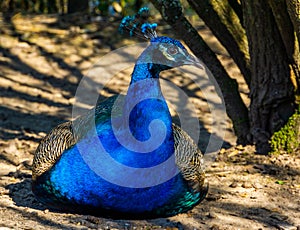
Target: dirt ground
(43, 58)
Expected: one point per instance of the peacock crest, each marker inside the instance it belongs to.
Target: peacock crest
(138, 25)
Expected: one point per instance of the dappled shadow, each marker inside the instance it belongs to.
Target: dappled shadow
(44, 109)
(25, 121)
(280, 167)
(23, 197)
(212, 207)
(53, 82)
(14, 119)
(43, 220)
(261, 213)
(12, 93)
(18, 65)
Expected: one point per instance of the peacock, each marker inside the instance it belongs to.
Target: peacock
(125, 158)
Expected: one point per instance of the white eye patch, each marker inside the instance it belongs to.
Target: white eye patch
(164, 50)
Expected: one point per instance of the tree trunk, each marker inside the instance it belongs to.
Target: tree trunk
(286, 29)
(293, 7)
(225, 25)
(171, 12)
(272, 93)
(62, 6)
(294, 12)
(77, 6)
(236, 6)
(52, 6)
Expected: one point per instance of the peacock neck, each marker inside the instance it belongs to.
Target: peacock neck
(145, 71)
(145, 82)
(145, 103)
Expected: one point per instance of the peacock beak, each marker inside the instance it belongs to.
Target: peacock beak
(192, 60)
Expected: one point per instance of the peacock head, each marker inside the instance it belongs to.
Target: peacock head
(163, 52)
(167, 53)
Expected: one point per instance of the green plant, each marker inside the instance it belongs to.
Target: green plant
(287, 138)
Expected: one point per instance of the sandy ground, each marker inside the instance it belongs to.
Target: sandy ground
(42, 61)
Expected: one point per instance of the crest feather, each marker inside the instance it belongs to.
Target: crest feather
(138, 25)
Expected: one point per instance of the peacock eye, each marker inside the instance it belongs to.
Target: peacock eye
(172, 50)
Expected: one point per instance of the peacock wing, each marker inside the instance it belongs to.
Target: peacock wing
(189, 160)
(66, 135)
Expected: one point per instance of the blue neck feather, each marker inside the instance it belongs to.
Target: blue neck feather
(143, 71)
(144, 104)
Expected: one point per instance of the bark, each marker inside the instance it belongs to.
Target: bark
(236, 6)
(52, 6)
(171, 12)
(293, 7)
(284, 24)
(222, 20)
(272, 93)
(61, 8)
(294, 12)
(77, 6)
(286, 29)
